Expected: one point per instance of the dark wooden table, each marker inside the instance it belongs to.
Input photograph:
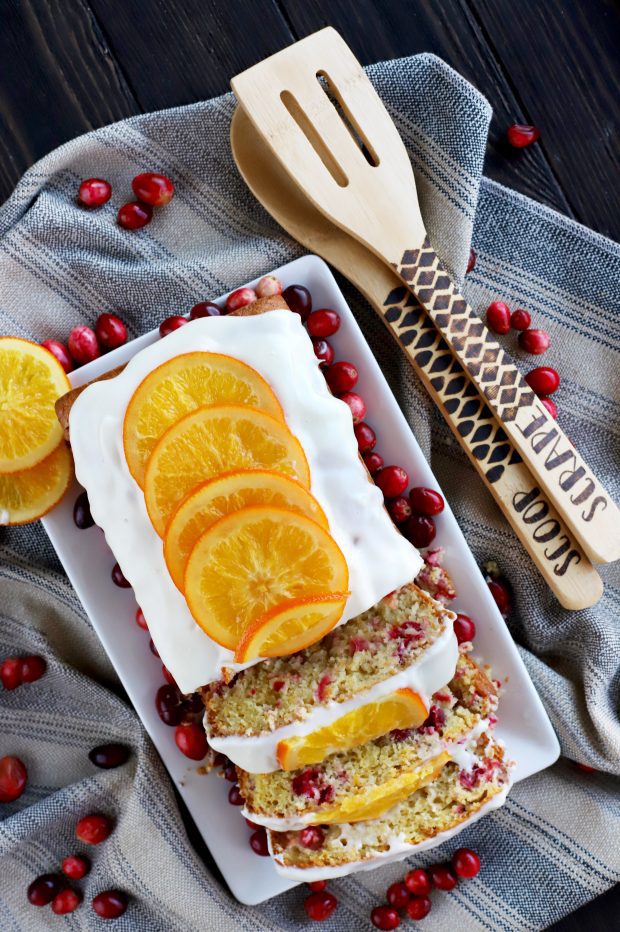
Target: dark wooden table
(68, 67)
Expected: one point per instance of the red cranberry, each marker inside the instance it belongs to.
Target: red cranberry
(240, 298)
(392, 480)
(252, 825)
(419, 530)
(134, 216)
(365, 436)
(33, 668)
(323, 323)
(234, 796)
(321, 690)
(312, 837)
(374, 462)
(471, 262)
(426, 502)
(152, 648)
(418, 882)
(169, 704)
(83, 345)
(268, 286)
(356, 404)
(299, 300)
(499, 591)
(341, 377)
(118, 579)
(93, 829)
(418, 907)
(230, 773)
(110, 904)
(520, 135)
(320, 905)
(398, 895)
(399, 509)
(11, 672)
(66, 902)
(534, 341)
(520, 319)
(94, 192)
(544, 380)
(465, 863)
(585, 768)
(141, 620)
(60, 352)
(75, 866)
(43, 889)
(191, 740)
(82, 517)
(324, 351)
(13, 778)
(204, 309)
(153, 189)
(168, 676)
(317, 885)
(498, 317)
(464, 628)
(110, 331)
(107, 756)
(193, 706)
(442, 877)
(550, 405)
(385, 917)
(172, 323)
(258, 842)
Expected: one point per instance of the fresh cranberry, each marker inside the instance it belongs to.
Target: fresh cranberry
(392, 480)
(324, 351)
(66, 902)
(168, 676)
(365, 436)
(82, 517)
(240, 298)
(191, 740)
(520, 135)
(33, 668)
(94, 192)
(299, 300)
(75, 866)
(550, 405)
(323, 323)
(60, 352)
(13, 778)
(172, 323)
(268, 286)
(465, 863)
(520, 319)
(230, 773)
(43, 889)
(471, 262)
(398, 895)
(134, 215)
(83, 345)
(204, 309)
(442, 877)
(385, 917)
(418, 882)
(153, 189)
(499, 591)
(585, 768)
(426, 502)
(169, 704)
(544, 380)
(110, 904)
(418, 907)
(93, 829)
(535, 342)
(464, 628)
(193, 707)
(419, 530)
(320, 905)
(317, 885)
(107, 756)
(399, 509)
(356, 404)
(498, 317)
(252, 825)
(110, 331)
(118, 579)
(374, 462)
(258, 842)
(312, 837)
(141, 620)
(11, 672)
(152, 648)
(341, 377)
(234, 796)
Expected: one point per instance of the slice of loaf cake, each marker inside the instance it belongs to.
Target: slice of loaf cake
(404, 644)
(364, 782)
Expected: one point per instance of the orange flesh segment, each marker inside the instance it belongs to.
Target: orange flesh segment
(285, 629)
(29, 494)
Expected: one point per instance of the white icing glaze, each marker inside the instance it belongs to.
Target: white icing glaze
(276, 344)
(5, 516)
(435, 668)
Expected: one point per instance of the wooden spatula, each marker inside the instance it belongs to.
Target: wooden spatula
(326, 125)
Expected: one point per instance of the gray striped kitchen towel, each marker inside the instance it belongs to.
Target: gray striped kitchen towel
(555, 843)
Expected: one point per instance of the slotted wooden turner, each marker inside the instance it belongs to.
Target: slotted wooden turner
(326, 125)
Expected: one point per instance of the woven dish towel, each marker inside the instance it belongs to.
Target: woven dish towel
(555, 843)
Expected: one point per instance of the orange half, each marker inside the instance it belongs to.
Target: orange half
(287, 628)
(28, 495)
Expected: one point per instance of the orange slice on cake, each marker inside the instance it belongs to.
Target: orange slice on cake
(287, 628)
(403, 708)
(181, 385)
(254, 560)
(29, 494)
(213, 440)
(221, 496)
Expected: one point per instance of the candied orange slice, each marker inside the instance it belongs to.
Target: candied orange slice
(253, 560)
(31, 380)
(221, 496)
(288, 628)
(181, 385)
(211, 441)
(31, 493)
(401, 709)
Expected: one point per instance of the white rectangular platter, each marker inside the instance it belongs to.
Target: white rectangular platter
(523, 723)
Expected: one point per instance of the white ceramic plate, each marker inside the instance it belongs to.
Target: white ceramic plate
(523, 723)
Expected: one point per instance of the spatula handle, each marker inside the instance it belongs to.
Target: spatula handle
(561, 473)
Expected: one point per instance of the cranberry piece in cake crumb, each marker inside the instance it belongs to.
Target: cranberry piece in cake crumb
(312, 837)
(319, 906)
(465, 863)
(385, 917)
(321, 690)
